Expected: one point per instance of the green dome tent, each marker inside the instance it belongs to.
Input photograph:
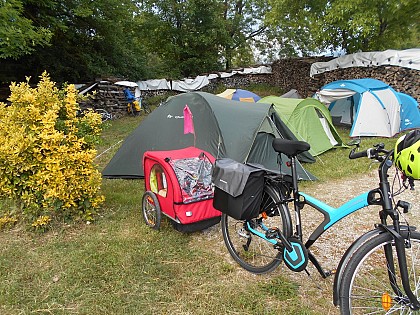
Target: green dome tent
(238, 130)
(309, 120)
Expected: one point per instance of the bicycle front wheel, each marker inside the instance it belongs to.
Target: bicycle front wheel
(365, 286)
(249, 250)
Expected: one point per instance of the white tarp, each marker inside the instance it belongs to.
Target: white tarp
(126, 83)
(188, 85)
(199, 82)
(409, 58)
(162, 84)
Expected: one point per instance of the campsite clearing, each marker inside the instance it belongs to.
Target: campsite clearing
(118, 265)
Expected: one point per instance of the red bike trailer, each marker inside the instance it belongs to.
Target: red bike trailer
(178, 184)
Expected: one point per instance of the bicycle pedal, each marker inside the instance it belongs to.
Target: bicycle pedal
(243, 233)
(272, 233)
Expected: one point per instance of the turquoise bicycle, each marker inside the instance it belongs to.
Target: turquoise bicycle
(380, 271)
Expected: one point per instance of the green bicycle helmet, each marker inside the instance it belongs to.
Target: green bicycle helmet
(407, 154)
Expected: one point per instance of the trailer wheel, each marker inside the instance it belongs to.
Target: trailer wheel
(152, 214)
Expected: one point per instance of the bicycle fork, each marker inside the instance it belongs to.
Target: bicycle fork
(400, 245)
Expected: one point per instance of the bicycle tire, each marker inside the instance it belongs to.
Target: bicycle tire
(104, 114)
(260, 256)
(152, 213)
(365, 286)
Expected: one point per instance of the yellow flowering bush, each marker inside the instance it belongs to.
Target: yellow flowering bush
(41, 223)
(7, 221)
(47, 152)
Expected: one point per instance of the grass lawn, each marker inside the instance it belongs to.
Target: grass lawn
(118, 265)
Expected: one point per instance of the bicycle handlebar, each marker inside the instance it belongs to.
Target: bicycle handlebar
(371, 153)
(356, 155)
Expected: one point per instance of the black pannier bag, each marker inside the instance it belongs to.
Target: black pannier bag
(238, 189)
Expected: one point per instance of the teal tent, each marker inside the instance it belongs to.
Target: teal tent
(371, 107)
(238, 130)
(309, 120)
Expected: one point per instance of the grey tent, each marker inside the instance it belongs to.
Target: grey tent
(291, 94)
(238, 130)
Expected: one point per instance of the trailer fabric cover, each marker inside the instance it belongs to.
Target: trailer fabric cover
(194, 177)
(187, 215)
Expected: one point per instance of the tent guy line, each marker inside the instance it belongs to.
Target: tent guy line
(108, 149)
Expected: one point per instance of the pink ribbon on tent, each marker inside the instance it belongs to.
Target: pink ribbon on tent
(188, 121)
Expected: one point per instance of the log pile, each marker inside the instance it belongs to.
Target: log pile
(400, 79)
(294, 74)
(286, 74)
(106, 95)
(238, 81)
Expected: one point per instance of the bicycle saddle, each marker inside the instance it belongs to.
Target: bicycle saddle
(290, 147)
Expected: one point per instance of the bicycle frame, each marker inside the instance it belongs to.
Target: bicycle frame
(379, 196)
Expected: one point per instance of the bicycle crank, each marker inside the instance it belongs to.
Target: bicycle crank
(295, 259)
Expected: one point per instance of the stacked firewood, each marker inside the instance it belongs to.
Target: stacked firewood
(294, 74)
(105, 95)
(287, 74)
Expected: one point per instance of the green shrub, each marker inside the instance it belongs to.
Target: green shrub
(47, 153)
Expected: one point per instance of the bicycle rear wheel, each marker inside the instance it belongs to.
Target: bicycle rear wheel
(365, 286)
(249, 250)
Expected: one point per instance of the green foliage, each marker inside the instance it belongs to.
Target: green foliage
(185, 36)
(7, 222)
(88, 39)
(349, 25)
(81, 40)
(47, 152)
(166, 38)
(18, 35)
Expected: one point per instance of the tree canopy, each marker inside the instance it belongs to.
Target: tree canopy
(351, 26)
(80, 40)
(18, 34)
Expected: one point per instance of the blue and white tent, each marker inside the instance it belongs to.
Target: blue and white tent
(370, 106)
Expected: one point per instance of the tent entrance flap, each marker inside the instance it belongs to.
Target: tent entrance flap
(327, 131)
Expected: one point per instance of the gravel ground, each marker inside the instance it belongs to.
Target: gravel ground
(332, 245)
(316, 292)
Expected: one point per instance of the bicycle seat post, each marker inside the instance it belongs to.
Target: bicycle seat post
(296, 202)
(291, 148)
